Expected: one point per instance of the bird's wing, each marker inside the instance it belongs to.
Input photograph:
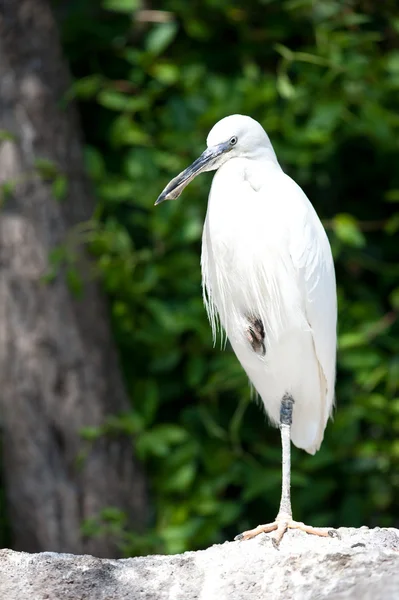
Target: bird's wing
(311, 254)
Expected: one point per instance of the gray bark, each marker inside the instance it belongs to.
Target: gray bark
(362, 565)
(58, 367)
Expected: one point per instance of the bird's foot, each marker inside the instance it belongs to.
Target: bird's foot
(280, 526)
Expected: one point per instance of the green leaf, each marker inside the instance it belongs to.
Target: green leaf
(284, 51)
(112, 99)
(74, 282)
(46, 168)
(394, 298)
(95, 163)
(166, 73)
(130, 423)
(160, 37)
(112, 514)
(285, 87)
(116, 190)
(60, 187)
(86, 87)
(351, 340)
(347, 230)
(171, 434)
(90, 434)
(127, 132)
(392, 225)
(7, 136)
(392, 62)
(181, 479)
(392, 195)
(158, 440)
(123, 6)
(7, 188)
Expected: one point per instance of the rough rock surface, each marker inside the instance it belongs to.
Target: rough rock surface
(362, 564)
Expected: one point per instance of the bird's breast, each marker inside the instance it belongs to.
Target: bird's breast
(244, 226)
(246, 266)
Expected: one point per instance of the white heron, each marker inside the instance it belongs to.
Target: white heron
(268, 278)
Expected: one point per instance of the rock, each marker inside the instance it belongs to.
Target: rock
(361, 564)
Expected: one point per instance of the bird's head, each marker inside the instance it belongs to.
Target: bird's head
(232, 137)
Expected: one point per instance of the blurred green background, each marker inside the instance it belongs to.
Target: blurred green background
(323, 79)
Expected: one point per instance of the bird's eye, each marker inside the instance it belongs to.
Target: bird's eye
(233, 141)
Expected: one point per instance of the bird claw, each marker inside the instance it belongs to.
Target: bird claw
(334, 534)
(276, 544)
(280, 526)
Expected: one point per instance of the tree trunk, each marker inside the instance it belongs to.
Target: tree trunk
(58, 366)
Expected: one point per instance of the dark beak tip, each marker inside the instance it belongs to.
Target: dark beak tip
(160, 199)
(175, 187)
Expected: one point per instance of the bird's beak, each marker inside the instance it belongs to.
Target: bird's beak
(206, 162)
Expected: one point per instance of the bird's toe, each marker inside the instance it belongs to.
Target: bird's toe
(333, 533)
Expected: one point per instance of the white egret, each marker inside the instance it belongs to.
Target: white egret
(268, 277)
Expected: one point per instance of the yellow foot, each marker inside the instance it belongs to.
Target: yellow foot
(280, 526)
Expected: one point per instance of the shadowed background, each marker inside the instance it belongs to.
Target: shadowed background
(150, 80)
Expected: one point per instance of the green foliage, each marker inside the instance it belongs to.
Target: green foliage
(323, 79)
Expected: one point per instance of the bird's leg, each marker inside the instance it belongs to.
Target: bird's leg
(256, 335)
(286, 407)
(284, 519)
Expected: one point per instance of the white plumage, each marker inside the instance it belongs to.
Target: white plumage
(265, 252)
(266, 259)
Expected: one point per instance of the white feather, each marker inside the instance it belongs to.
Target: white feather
(265, 254)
